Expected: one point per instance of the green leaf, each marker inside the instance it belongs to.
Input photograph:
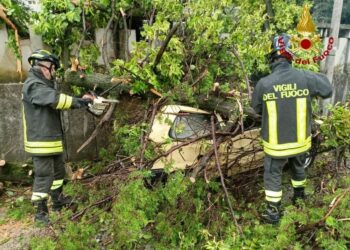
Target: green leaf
(331, 221)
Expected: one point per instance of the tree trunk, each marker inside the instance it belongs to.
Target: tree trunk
(96, 80)
(270, 14)
(227, 107)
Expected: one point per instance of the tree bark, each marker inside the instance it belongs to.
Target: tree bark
(103, 81)
(164, 45)
(270, 14)
(225, 106)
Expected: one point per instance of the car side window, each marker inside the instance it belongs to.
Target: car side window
(187, 125)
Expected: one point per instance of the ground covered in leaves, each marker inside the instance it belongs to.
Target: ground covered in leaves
(129, 209)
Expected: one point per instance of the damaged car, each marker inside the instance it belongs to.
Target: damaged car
(174, 125)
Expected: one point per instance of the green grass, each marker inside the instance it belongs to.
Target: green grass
(20, 208)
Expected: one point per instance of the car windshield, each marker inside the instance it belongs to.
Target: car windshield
(187, 125)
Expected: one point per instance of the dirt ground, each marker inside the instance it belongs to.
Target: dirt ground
(16, 234)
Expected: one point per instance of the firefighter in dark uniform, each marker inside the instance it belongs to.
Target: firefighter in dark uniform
(43, 132)
(283, 98)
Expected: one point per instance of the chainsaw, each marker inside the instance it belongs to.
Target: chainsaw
(99, 104)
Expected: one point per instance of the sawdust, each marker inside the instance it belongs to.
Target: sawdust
(17, 234)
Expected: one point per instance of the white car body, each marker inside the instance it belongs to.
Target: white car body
(175, 124)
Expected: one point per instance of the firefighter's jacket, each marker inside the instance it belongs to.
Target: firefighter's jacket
(42, 103)
(284, 100)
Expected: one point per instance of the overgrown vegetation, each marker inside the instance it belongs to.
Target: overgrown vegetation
(18, 15)
(178, 214)
(205, 42)
(336, 127)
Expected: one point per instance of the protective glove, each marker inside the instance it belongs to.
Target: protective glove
(97, 107)
(88, 98)
(86, 102)
(81, 102)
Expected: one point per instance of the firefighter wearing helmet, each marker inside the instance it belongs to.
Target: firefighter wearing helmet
(42, 104)
(283, 98)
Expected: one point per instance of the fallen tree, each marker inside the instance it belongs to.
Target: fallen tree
(229, 105)
(96, 80)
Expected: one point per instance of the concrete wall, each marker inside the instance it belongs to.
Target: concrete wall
(110, 45)
(8, 68)
(8, 71)
(77, 124)
(11, 136)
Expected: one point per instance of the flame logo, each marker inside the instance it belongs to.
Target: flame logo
(306, 38)
(306, 25)
(307, 43)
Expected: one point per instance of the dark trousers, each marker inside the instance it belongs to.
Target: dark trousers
(47, 169)
(273, 175)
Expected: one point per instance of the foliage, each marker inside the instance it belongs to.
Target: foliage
(204, 48)
(336, 127)
(18, 14)
(88, 56)
(42, 243)
(84, 235)
(77, 91)
(65, 23)
(132, 212)
(12, 44)
(20, 208)
(212, 39)
(208, 37)
(129, 139)
(178, 214)
(56, 20)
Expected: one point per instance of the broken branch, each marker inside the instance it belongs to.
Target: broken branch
(205, 159)
(324, 218)
(105, 119)
(172, 149)
(217, 160)
(104, 40)
(82, 212)
(126, 34)
(164, 45)
(10, 23)
(82, 36)
(145, 140)
(200, 77)
(235, 52)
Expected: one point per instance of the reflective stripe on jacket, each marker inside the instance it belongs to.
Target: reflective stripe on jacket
(41, 117)
(284, 100)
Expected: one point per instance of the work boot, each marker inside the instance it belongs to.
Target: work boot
(42, 212)
(273, 213)
(59, 200)
(299, 194)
